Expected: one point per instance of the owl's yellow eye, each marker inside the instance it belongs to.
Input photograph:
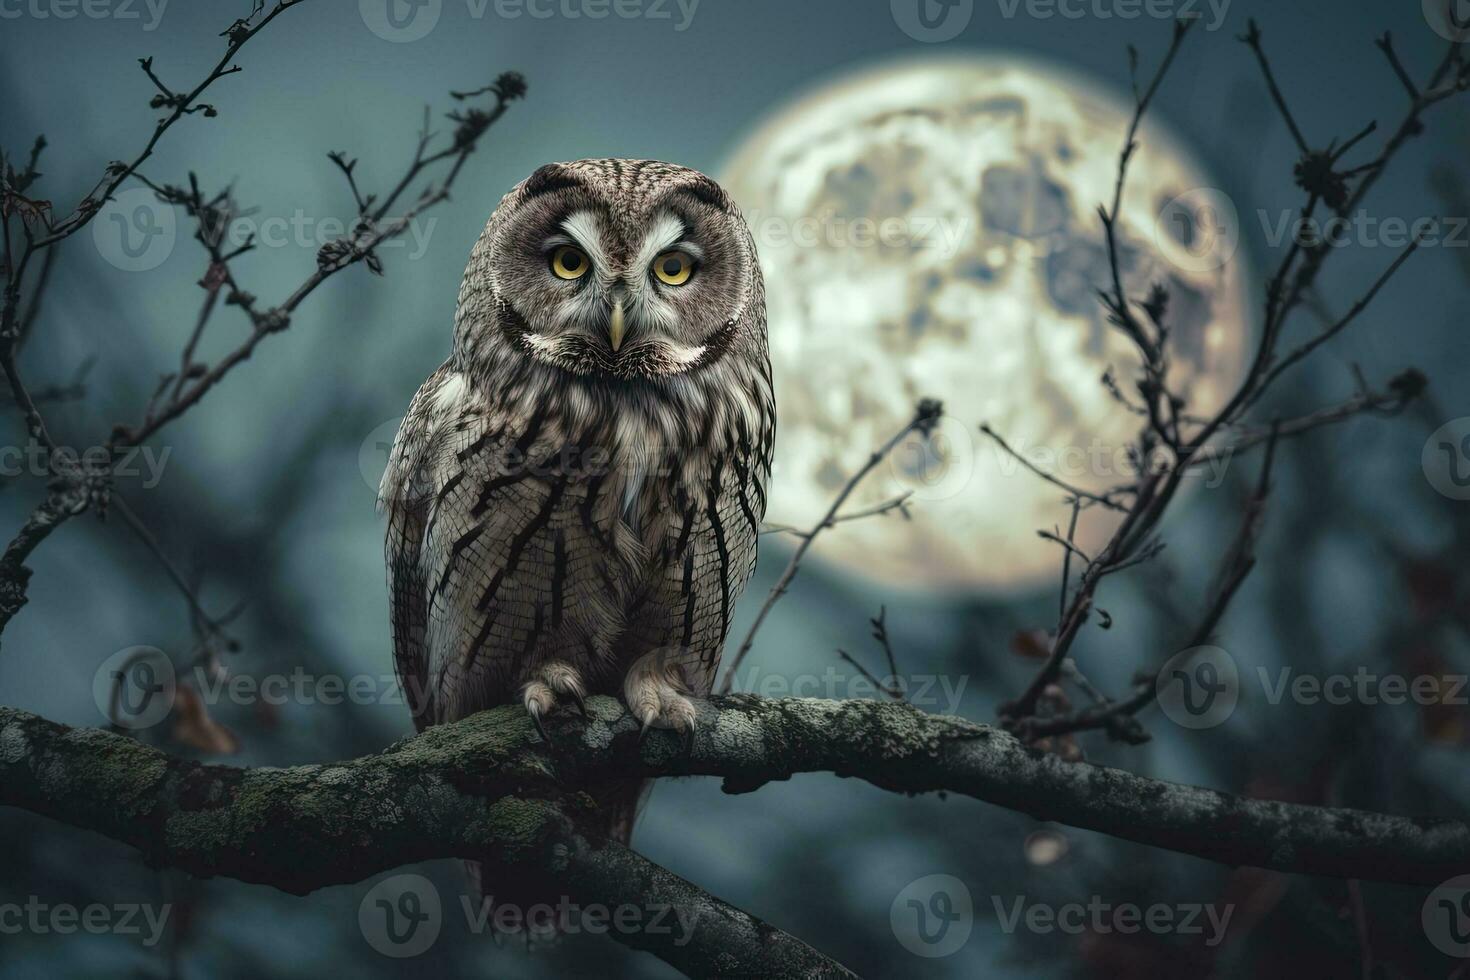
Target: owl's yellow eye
(674, 268)
(569, 262)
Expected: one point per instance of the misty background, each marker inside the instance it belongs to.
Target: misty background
(266, 491)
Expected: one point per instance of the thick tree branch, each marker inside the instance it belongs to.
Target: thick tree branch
(306, 827)
(309, 826)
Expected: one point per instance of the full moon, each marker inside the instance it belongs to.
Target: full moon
(930, 228)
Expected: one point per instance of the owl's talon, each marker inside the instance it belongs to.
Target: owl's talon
(539, 694)
(540, 726)
(657, 695)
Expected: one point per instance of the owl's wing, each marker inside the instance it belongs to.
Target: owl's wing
(406, 494)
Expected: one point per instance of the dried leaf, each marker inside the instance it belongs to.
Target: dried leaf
(195, 728)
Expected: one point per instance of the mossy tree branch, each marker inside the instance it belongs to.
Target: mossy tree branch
(486, 784)
(308, 826)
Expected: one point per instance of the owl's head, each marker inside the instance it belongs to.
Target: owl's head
(617, 270)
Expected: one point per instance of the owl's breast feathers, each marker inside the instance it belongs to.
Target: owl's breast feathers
(569, 528)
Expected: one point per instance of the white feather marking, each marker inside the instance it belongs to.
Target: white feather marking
(632, 488)
(667, 230)
(585, 228)
(540, 342)
(684, 355)
(450, 392)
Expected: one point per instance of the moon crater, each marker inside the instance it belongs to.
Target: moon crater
(930, 228)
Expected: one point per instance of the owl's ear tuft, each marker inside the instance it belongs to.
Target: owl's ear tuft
(711, 193)
(551, 177)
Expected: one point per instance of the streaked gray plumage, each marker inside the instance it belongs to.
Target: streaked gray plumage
(574, 497)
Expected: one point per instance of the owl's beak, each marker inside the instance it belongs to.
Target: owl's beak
(617, 327)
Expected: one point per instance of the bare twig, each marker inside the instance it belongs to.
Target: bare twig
(893, 687)
(74, 489)
(1104, 499)
(1135, 540)
(899, 503)
(926, 416)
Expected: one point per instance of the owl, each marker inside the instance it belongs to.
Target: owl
(574, 497)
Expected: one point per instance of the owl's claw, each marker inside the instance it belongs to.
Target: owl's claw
(657, 698)
(540, 725)
(539, 694)
(685, 733)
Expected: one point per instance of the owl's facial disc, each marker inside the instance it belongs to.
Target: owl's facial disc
(622, 271)
(620, 302)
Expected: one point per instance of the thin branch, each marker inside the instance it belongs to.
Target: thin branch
(1402, 390)
(891, 687)
(1342, 323)
(207, 624)
(899, 503)
(926, 416)
(1105, 499)
(1236, 565)
(1385, 44)
(1252, 39)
